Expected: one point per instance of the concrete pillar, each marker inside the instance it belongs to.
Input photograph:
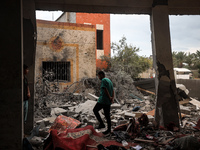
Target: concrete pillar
(29, 28)
(166, 104)
(11, 60)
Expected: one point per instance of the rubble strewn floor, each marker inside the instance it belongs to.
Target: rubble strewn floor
(130, 104)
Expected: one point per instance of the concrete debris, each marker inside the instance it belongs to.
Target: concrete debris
(115, 106)
(182, 87)
(79, 106)
(196, 103)
(85, 108)
(185, 110)
(129, 115)
(57, 111)
(92, 97)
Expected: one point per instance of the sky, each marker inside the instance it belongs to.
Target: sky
(184, 31)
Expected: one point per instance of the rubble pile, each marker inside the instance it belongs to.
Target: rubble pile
(131, 113)
(123, 85)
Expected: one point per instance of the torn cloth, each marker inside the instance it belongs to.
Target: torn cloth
(72, 139)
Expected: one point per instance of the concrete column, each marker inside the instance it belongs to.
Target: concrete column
(166, 104)
(11, 60)
(29, 28)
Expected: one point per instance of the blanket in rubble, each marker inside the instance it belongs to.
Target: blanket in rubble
(73, 139)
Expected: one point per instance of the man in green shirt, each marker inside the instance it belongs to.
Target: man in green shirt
(106, 98)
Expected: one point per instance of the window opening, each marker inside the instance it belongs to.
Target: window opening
(56, 71)
(100, 39)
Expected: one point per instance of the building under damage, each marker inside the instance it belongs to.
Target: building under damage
(66, 51)
(19, 35)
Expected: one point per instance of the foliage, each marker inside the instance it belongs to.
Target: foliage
(179, 58)
(126, 59)
(187, 60)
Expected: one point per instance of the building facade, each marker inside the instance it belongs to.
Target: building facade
(65, 52)
(102, 24)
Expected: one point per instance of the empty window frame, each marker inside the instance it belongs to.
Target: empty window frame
(56, 71)
(100, 39)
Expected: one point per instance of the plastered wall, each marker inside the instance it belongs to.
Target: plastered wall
(75, 43)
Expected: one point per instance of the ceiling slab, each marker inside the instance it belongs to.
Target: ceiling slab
(176, 7)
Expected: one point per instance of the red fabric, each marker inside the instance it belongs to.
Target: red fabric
(73, 139)
(62, 123)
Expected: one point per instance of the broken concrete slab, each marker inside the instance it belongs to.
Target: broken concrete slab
(114, 121)
(195, 102)
(57, 111)
(66, 106)
(182, 87)
(115, 106)
(86, 108)
(92, 97)
(129, 115)
(185, 110)
(121, 113)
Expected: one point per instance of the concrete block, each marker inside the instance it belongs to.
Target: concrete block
(92, 97)
(57, 111)
(115, 106)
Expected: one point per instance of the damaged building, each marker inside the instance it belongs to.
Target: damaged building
(19, 41)
(64, 52)
(102, 24)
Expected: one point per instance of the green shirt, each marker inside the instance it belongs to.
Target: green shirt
(103, 98)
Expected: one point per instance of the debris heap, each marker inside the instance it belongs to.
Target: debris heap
(132, 115)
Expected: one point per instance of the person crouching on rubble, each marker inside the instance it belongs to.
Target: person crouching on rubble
(27, 94)
(106, 98)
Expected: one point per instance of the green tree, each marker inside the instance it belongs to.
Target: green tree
(180, 57)
(189, 59)
(197, 60)
(175, 64)
(126, 59)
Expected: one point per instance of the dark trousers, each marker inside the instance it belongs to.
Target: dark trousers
(106, 109)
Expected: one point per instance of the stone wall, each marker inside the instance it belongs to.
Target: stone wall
(66, 42)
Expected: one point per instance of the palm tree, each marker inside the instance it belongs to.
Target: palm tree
(189, 59)
(180, 56)
(174, 59)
